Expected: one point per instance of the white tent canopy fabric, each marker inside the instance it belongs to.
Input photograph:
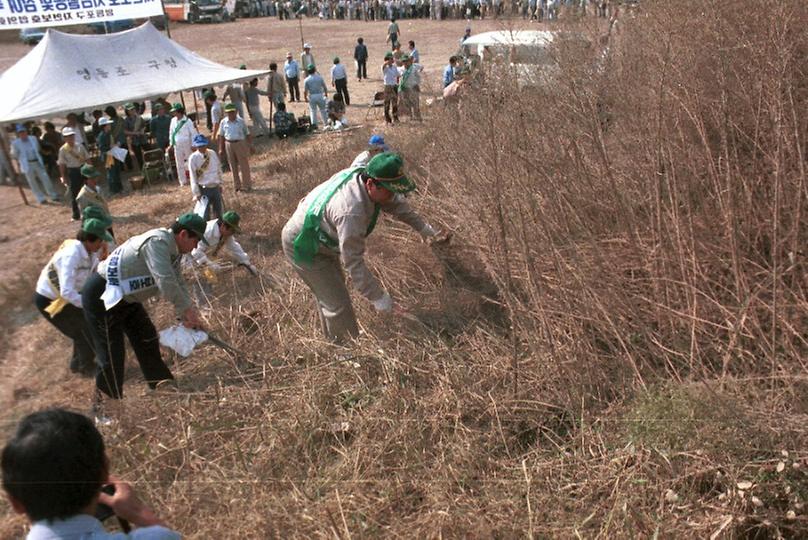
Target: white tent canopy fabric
(68, 72)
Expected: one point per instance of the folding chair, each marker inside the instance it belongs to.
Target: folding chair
(154, 166)
(376, 106)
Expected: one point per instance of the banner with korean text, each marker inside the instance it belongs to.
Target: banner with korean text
(45, 13)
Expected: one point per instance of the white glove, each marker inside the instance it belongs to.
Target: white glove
(216, 267)
(384, 304)
(253, 270)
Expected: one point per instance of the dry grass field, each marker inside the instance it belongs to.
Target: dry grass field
(613, 345)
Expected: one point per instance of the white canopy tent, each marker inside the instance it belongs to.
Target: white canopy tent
(511, 37)
(68, 72)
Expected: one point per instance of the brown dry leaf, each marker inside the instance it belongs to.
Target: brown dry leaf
(780, 466)
(744, 485)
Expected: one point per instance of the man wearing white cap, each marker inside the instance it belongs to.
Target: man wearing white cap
(306, 58)
(292, 71)
(71, 157)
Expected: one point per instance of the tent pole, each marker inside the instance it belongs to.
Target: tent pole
(300, 27)
(14, 175)
(165, 19)
(196, 109)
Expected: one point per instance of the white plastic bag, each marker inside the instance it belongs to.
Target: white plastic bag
(201, 206)
(182, 340)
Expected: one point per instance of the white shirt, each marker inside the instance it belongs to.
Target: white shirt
(390, 75)
(361, 160)
(25, 152)
(72, 266)
(416, 56)
(211, 176)
(213, 235)
(185, 134)
(216, 112)
(338, 72)
(84, 527)
(78, 136)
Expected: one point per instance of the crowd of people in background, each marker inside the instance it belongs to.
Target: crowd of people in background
(379, 10)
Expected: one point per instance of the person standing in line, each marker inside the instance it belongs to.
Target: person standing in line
(328, 232)
(70, 159)
(159, 126)
(315, 92)
(253, 94)
(106, 143)
(216, 113)
(235, 92)
(361, 57)
(206, 176)
(414, 54)
(236, 143)
(276, 85)
(144, 266)
(181, 134)
(390, 76)
(78, 129)
(306, 57)
(339, 80)
(134, 131)
(58, 296)
(25, 150)
(409, 88)
(292, 71)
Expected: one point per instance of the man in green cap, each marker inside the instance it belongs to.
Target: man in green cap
(220, 234)
(90, 193)
(409, 88)
(328, 230)
(144, 266)
(58, 296)
(181, 134)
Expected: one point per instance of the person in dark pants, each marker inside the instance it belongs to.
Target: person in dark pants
(144, 266)
(105, 145)
(361, 56)
(57, 294)
(71, 158)
(292, 71)
(339, 79)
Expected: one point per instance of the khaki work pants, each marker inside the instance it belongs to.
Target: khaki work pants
(327, 281)
(238, 156)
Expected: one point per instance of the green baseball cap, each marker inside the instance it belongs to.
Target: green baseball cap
(177, 107)
(336, 59)
(232, 218)
(387, 168)
(88, 171)
(311, 67)
(388, 54)
(209, 94)
(194, 223)
(96, 227)
(230, 108)
(243, 66)
(129, 106)
(404, 57)
(96, 212)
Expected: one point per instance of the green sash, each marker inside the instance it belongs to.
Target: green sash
(307, 242)
(177, 130)
(404, 77)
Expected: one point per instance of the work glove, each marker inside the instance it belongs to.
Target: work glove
(383, 304)
(253, 270)
(215, 267)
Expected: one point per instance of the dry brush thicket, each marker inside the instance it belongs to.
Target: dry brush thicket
(612, 345)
